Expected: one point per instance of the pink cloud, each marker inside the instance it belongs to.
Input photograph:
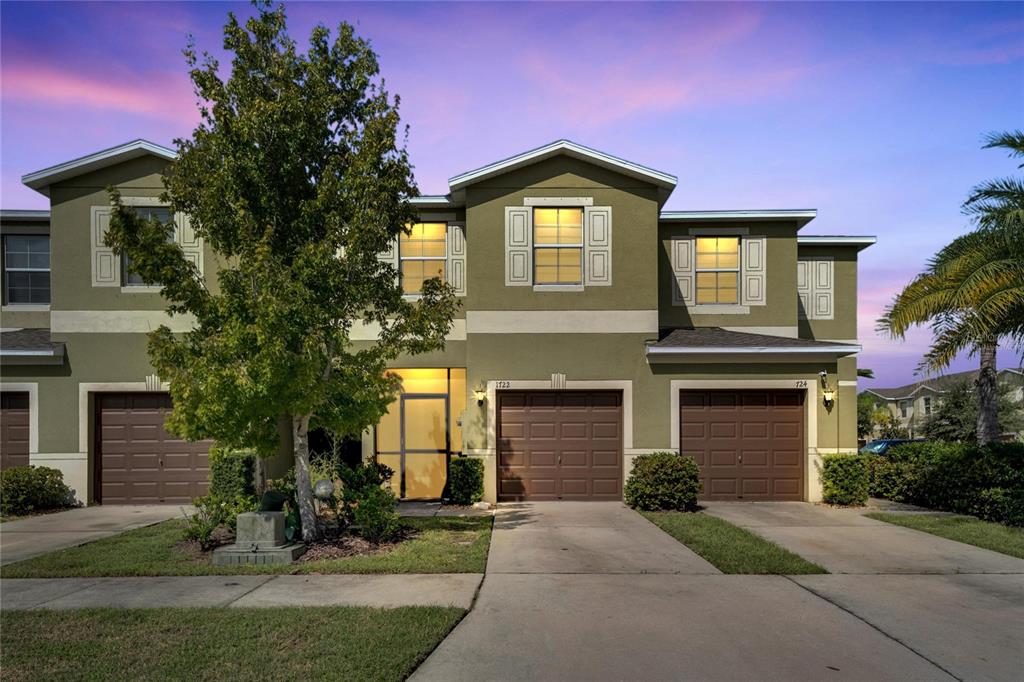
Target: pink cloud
(164, 96)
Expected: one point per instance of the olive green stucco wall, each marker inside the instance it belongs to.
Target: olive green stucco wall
(634, 238)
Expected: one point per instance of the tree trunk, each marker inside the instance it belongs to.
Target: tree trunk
(303, 484)
(988, 413)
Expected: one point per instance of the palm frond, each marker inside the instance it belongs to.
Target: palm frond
(1013, 141)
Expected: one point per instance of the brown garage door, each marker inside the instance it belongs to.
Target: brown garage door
(13, 429)
(559, 445)
(138, 461)
(749, 444)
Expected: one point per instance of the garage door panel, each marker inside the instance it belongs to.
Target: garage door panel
(747, 444)
(573, 440)
(139, 461)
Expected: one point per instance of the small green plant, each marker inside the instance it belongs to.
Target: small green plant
(375, 514)
(466, 480)
(356, 481)
(33, 488)
(663, 481)
(845, 479)
(201, 524)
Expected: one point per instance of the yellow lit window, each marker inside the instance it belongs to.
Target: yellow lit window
(557, 246)
(718, 270)
(422, 255)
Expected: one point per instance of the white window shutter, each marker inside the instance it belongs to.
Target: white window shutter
(681, 257)
(753, 263)
(823, 289)
(597, 246)
(803, 287)
(456, 268)
(518, 246)
(191, 244)
(815, 286)
(106, 266)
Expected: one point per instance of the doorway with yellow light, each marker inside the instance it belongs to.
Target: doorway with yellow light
(421, 430)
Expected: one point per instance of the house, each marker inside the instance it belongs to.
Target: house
(596, 326)
(913, 404)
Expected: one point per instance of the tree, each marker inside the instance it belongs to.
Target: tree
(866, 408)
(972, 291)
(955, 417)
(865, 373)
(296, 179)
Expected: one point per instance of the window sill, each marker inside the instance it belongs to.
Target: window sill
(558, 287)
(141, 290)
(25, 308)
(719, 309)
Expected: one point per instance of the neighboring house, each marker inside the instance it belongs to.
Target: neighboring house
(913, 404)
(595, 327)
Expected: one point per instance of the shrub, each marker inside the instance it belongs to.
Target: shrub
(375, 514)
(466, 480)
(845, 479)
(232, 473)
(356, 481)
(33, 488)
(200, 525)
(985, 482)
(662, 481)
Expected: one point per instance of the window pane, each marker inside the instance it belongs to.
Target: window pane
(28, 287)
(728, 245)
(706, 245)
(705, 295)
(546, 274)
(727, 296)
(423, 380)
(425, 425)
(546, 257)
(545, 216)
(706, 280)
(571, 217)
(415, 272)
(706, 260)
(544, 234)
(425, 239)
(570, 234)
(727, 279)
(389, 436)
(425, 475)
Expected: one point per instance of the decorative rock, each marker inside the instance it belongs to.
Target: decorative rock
(324, 489)
(482, 505)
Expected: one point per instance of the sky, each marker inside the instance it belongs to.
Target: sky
(873, 114)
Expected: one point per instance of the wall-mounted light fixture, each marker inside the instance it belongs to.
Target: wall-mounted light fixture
(481, 395)
(828, 393)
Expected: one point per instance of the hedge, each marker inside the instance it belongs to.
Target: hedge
(987, 482)
(845, 479)
(466, 480)
(33, 488)
(663, 481)
(232, 474)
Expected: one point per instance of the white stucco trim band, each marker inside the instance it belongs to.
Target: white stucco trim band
(33, 411)
(562, 321)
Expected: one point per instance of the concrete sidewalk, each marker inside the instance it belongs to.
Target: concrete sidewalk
(845, 541)
(385, 591)
(25, 538)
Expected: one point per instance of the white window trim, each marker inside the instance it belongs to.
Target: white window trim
(573, 286)
(443, 259)
(697, 270)
(48, 270)
(559, 202)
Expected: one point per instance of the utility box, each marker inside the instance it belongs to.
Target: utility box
(259, 539)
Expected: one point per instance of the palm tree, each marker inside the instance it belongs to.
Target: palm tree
(972, 291)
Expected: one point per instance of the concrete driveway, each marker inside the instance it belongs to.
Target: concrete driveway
(35, 535)
(578, 591)
(845, 541)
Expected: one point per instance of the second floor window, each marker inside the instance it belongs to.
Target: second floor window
(927, 405)
(131, 278)
(904, 409)
(422, 254)
(27, 269)
(718, 270)
(558, 246)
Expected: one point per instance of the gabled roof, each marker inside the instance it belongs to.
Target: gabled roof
(567, 148)
(713, 344)
(933, 384)
(41, 180)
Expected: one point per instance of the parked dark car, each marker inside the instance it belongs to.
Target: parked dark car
(883, 445)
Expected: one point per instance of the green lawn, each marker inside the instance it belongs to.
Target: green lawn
(967, 529)
(729, 548)
(339, 643)
(442, 545)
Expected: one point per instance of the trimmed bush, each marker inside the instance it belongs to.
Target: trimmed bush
(376, 516)
(466, 480)
(984, 482)
(844, 479)
(663, 481)
(33, 488)
(232, 473)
